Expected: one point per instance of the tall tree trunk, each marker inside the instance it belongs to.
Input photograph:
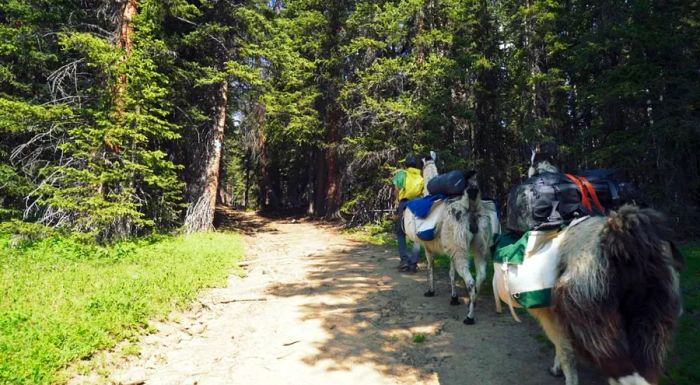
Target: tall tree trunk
(246, 191)
(332, 173)
(120, 226)
(200, 214)
(327, 189)
(318, 203)
(224, 190)
(125, 41)
(268, 181)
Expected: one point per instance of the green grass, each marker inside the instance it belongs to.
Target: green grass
(683, 363)
(378, 233)
(63, 300)
(382, 233)
(418, 338)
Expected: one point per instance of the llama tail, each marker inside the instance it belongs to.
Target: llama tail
(620, 301)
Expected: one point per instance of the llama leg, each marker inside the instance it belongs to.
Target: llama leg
(463, 269)
(431, 283)
(647, 338)
(454, 300)
(494, 286)
(632, 379)
(555, 370)
(564, 360)
(480, 264)
(472, 302)
(649, 325)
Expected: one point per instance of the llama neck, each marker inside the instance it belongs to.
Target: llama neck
(472, 205)
(475, 205)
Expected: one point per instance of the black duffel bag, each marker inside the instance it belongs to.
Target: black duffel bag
(449, 183)
(611, 191)
(549, 200)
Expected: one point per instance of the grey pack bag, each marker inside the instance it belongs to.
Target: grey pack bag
(543, 201)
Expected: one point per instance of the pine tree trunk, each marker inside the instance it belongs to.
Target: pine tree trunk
(332, 193)
(200, 214)
(246, 191)
(224, 190)
(268, 197)
(125, 41)
(327, 189)
(121, 226)
(318, 205)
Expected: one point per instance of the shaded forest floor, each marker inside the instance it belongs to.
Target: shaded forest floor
(319, 307)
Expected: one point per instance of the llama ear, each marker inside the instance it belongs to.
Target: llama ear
(526, 152)
(433, 156)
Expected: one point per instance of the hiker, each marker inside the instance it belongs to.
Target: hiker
(408, 184)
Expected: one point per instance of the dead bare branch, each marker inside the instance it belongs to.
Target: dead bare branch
(57, 78)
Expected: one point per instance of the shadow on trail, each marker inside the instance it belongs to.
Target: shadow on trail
(376, 316)
(248, 223)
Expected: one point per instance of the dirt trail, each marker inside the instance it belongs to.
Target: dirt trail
(318, 308)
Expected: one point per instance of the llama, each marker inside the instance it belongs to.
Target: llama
(465, 224)
(616, 297)
(429, 170)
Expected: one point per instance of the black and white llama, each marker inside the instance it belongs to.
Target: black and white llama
(466, 225)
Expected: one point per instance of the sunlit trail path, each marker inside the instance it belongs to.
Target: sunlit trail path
(320, 308)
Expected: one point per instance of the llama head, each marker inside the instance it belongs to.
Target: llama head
(541, 158)
(472, 188)
(429, 158)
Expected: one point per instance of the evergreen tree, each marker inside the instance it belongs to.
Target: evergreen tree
(94, 162)
(121, 117)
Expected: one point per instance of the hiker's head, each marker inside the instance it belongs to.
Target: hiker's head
(410, 161)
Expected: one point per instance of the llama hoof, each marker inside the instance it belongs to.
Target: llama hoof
(469, 321)
(454, 301)
(429, 293)
(556, 372)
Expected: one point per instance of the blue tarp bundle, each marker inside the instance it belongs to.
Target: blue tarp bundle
(420, 207)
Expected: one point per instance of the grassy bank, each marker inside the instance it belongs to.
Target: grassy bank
(62, 299)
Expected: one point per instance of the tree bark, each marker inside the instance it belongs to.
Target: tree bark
(327, 189)
(246, 191)
(332, 193)
(120, 226)
(268, 181)
(200, 214)
(217, 140)
(318, 204)
(224, 191)
(125, 41)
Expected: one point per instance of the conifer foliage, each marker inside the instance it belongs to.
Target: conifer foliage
(123, 117)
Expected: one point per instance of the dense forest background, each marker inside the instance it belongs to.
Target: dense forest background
(121, 117)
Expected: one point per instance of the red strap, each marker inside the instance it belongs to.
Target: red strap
(584, 196)
(592, 193)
